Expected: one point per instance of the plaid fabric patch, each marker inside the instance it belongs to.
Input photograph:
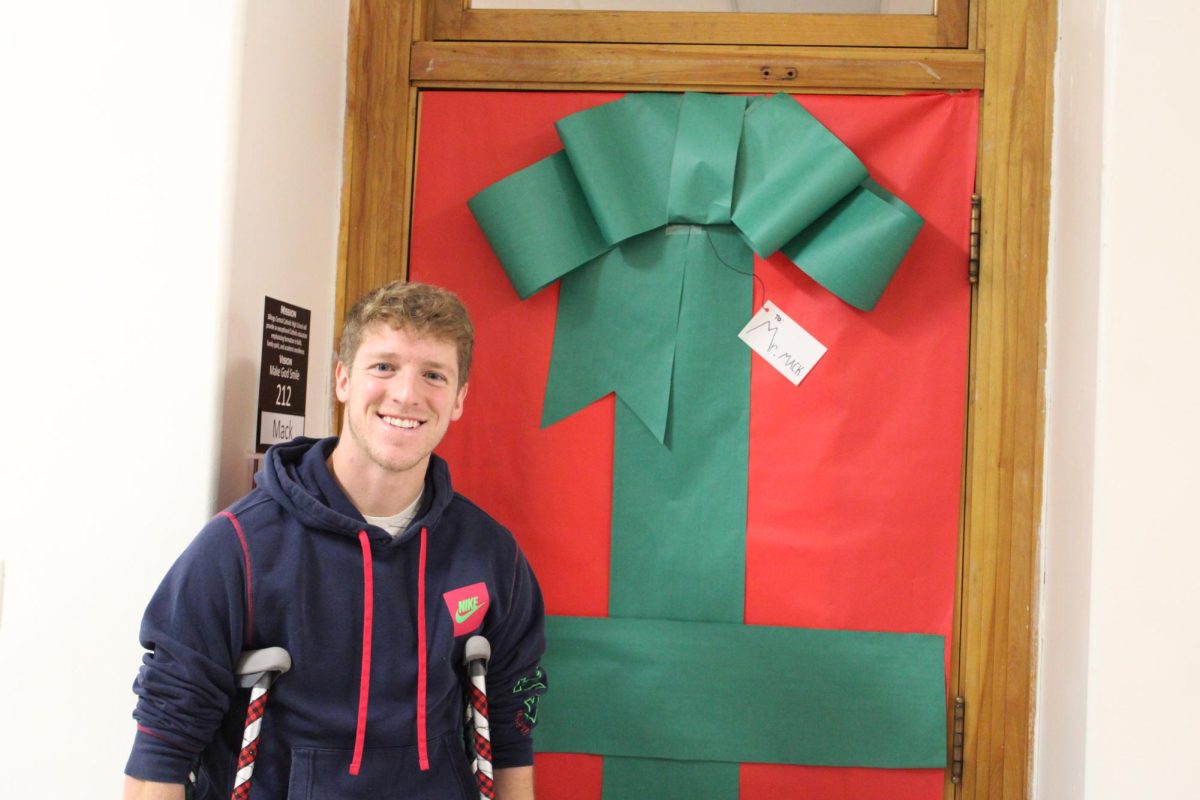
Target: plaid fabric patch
(479, 700)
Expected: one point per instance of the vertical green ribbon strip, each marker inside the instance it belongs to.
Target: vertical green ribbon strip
(693, 483)
(671, 687)
(679, 507)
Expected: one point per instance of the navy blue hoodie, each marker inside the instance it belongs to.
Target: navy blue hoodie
(366, 711)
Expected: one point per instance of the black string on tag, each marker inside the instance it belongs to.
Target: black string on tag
(758, 282)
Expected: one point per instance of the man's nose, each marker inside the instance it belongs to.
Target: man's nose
(404, 386)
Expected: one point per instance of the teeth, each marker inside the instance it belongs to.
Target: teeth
(397, 422)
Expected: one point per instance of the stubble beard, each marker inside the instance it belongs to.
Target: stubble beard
(391, 462)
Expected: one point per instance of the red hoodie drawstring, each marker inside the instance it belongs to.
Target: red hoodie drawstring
(364, 686)
(422, 667)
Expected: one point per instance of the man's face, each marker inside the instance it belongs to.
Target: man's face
(400, 395)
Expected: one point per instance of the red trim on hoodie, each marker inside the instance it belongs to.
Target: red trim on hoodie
(422, 665)
(143, 729)
(364, 686)
(237, 528)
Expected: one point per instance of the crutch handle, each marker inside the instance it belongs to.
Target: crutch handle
(477, 652)
(253, 664)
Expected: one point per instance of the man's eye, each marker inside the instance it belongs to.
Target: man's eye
(436, 376)
(381, 368)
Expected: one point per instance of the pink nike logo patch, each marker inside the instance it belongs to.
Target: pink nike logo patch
(467, 607)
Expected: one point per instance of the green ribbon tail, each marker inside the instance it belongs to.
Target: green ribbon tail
(616, 332)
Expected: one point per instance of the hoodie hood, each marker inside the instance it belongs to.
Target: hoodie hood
(296, 475)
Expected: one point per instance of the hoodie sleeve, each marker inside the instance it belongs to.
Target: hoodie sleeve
(516, 680)
(193, 629)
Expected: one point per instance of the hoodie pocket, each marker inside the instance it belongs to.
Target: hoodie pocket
(386, 773)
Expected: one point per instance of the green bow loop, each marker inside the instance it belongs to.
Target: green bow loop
(855, 248)
(538, 223)
(791, 170)
(621, 152)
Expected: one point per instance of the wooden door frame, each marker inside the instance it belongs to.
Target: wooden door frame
(1011, 44)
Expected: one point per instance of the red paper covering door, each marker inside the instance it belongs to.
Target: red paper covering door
(855, 475)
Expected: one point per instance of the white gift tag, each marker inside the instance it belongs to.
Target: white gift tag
(784, 344)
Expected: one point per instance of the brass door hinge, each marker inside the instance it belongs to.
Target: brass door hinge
(956, 762)
(973, 256)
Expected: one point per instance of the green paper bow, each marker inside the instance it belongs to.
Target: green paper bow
(645, 161)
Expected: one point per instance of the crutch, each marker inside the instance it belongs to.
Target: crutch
(256, 670)
(476, 656)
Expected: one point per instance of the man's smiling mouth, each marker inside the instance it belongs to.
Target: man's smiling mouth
(400, 422)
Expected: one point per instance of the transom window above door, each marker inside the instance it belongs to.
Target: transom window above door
(729, 6)
(847, 23)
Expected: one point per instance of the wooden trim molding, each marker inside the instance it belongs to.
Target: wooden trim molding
(997, 636)
(380, 126)
(438, 64)
(952, 27)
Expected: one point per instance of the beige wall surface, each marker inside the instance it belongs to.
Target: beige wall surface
(288, 178)
(1119, 698)
(1072, 303)
(164, 166)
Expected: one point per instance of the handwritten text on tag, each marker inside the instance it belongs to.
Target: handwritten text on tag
(784, 344)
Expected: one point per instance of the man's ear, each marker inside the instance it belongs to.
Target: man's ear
(457, 411)
(341, 381)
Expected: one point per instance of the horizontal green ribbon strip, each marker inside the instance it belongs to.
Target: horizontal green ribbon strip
(696, 691)
(642, 778)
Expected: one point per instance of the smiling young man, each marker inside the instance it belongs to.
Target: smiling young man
(356, 556)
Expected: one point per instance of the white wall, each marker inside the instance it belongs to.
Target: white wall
(1119, 702)
(163, 166)
(287, 189)
(1073, 305)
